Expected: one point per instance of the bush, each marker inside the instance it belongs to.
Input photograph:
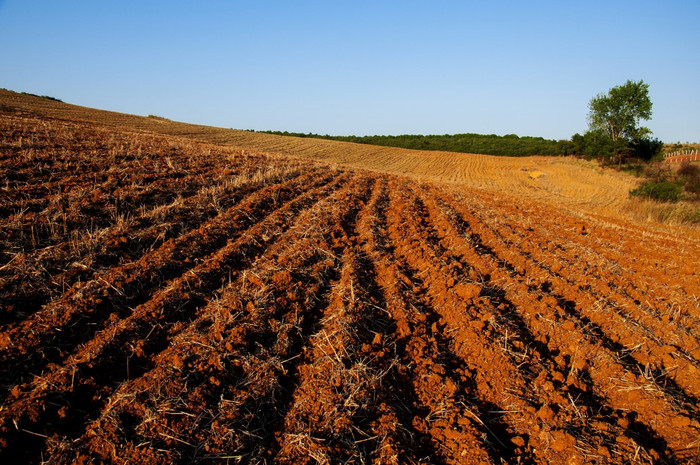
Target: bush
(598, 145)
(48, 97)
(647, 149)
(690, 174)
(664, 191)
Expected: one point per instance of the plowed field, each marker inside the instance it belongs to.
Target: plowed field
(169, 301)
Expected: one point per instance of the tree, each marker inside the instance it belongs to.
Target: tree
(618, 112)
(614, 133)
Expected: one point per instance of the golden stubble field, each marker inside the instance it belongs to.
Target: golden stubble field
(167, 299)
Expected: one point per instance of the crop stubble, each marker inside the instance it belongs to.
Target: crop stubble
(165, 300)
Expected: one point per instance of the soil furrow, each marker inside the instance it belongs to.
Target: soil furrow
(258, 344)
(84, 309)
(350, 359)
(100, 363)
(50, 271)
(606, 280)
(613, 255)
(550, 323)
(640, 351)
(431, 403)
(459, 309)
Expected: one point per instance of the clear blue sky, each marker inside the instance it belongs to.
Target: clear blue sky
(360, 67)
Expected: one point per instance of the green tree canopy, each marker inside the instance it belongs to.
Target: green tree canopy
(618, 112)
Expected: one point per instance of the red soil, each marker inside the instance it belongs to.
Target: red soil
(167, 301)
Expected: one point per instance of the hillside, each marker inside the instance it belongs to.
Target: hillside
(164, 300)
(562, 181)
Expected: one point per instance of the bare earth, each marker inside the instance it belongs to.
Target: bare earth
(182, 294)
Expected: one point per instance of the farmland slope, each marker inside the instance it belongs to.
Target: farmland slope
(166, 300)
(562, 181)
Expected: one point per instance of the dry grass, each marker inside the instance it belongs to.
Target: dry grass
(685, 214)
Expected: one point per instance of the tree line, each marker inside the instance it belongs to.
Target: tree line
(491, 144)
(614, 134)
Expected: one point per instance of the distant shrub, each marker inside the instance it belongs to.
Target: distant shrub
(636, 168)
(48, 97)
(690, 175)
(664, 191)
